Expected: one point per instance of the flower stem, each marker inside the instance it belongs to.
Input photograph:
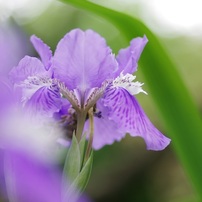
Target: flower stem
(90, 141)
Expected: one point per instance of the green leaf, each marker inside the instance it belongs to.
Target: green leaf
(82, 179)
(73, 161)
(179, 113)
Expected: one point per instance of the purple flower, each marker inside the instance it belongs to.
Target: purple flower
(84, 74)
(29, 170)
(19, 129)
(28, 179)
(25, 178)
(34, 79)
(93, 77)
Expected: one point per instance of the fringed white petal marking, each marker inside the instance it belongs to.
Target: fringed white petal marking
(126, 82)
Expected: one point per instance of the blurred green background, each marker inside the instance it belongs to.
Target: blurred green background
(125, 171)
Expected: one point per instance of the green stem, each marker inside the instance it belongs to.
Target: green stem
(90, 141)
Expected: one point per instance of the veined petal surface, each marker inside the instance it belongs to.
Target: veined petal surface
(45, 101)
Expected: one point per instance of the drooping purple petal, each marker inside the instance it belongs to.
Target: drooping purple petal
(127, 58)
(83, 60)
(43, 50)
(127, 113)
(45, 101)
(27, 67)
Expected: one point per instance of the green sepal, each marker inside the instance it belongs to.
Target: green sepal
(82, 179)
(73, 161)
(82, 148)
(75, 189)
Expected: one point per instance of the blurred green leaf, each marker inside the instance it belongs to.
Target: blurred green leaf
(72, 163)
(180, 115)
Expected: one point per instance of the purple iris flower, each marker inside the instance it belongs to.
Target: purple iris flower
(94, 77)
(28, 179)
(84, 71)
(25, 178)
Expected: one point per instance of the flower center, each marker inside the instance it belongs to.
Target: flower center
(126, 81)
(83, 101)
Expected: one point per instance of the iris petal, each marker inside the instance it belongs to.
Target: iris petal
(43, 50)
(28, 66)
(105, 132)
(45, 101)
(130, 118)
(83, 60)
(127, 58)
(32, 179)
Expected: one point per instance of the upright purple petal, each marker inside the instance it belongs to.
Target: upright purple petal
(127, 113)
(127, 58)
(43, 50)
(27, 67)
(82, 60)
